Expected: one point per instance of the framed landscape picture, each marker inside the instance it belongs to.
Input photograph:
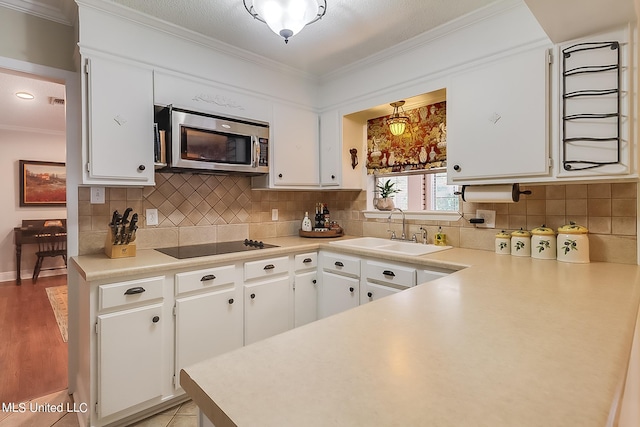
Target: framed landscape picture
(42, 183)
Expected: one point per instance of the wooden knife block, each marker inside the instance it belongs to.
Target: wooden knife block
(118, 251)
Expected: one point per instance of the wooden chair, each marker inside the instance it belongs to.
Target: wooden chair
(52, 242)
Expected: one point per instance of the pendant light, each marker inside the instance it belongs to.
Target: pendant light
(286, 17)
(397, 123)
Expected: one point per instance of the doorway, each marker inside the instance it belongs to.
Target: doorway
(33, 352)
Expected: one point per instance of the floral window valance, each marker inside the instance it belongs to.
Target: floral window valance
(423, 145)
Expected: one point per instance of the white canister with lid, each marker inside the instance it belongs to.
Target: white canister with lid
(521, 243)
(543, 243)
(573, 244)
(503, 243)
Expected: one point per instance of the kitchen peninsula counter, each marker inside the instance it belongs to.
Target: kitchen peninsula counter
(506, 341)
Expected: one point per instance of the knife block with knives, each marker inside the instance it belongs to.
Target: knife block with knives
(121, 237)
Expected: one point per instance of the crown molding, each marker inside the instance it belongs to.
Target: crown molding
(425, 38)
(64, 15)
(24, 129)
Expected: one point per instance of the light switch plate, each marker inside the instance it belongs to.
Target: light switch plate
(97, 195)
(274, 214)
(489, 218)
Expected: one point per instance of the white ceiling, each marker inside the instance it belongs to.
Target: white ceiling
(33, 115)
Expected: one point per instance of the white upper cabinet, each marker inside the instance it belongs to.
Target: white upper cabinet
(118, 123)
(330, 143)
(207, 97)
(497, 120)
(294, 147)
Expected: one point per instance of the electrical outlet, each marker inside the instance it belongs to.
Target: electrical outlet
(97, 195)
(151, 217)
(274, 214)
(489, 218)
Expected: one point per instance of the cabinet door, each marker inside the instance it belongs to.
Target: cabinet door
(267, 309)
(295, 147)
(130, 347)
(497, 119)
(206, 325)
(330, 143)
(337, 294)
(374, 291)
(119, 115)
(306, 298)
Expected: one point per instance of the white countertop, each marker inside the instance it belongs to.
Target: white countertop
(507, 341)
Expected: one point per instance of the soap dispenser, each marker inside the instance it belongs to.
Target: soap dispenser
(306, 222)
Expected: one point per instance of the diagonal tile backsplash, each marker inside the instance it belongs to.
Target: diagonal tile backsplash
(207, 208)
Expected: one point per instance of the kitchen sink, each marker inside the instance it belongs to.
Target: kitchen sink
(391, 246)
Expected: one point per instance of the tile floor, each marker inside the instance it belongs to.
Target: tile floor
(183, 415)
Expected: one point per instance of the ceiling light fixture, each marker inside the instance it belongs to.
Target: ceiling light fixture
(397, 123)
(24, 95)
(286, 17)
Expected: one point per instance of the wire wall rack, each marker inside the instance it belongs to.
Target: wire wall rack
(591, 105)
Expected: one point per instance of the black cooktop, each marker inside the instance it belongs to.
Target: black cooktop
(193, 251)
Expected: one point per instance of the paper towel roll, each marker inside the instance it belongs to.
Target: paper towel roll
(498, 193)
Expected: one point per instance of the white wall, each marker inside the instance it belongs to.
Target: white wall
(15, 146)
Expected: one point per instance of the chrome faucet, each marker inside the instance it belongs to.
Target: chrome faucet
(393, 234)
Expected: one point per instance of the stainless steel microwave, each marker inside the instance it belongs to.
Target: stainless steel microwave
(203, 142)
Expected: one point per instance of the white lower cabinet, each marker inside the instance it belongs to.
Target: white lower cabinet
(384, 278)
(267, 309)
(209, 322)
(375, 291)
(130, 344)
(268, 298)
(339, 283)
(206, 325)
(339, 293)
(306, 298)
(129, 347)
(305, 289)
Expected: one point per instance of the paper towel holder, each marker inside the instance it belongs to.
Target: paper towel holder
(515, 192)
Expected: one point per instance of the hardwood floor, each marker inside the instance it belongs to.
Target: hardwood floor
(33, 357)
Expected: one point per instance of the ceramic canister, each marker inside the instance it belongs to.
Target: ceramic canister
(521, 243)
(503, 243)
(543, 243)
(573, 244)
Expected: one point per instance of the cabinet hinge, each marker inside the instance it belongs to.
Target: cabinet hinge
(174, 311)
(96, 328)
(549, 56)
(96, 408)
(88, 167)
(550, 162)
(87, 66)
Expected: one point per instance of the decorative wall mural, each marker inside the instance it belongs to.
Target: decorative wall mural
(423, 145)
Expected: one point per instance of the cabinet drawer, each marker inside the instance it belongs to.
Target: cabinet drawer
(266, 268)
(305, 261)
(390, 273)
(204, 279)
(342, 264)
(131, 292)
